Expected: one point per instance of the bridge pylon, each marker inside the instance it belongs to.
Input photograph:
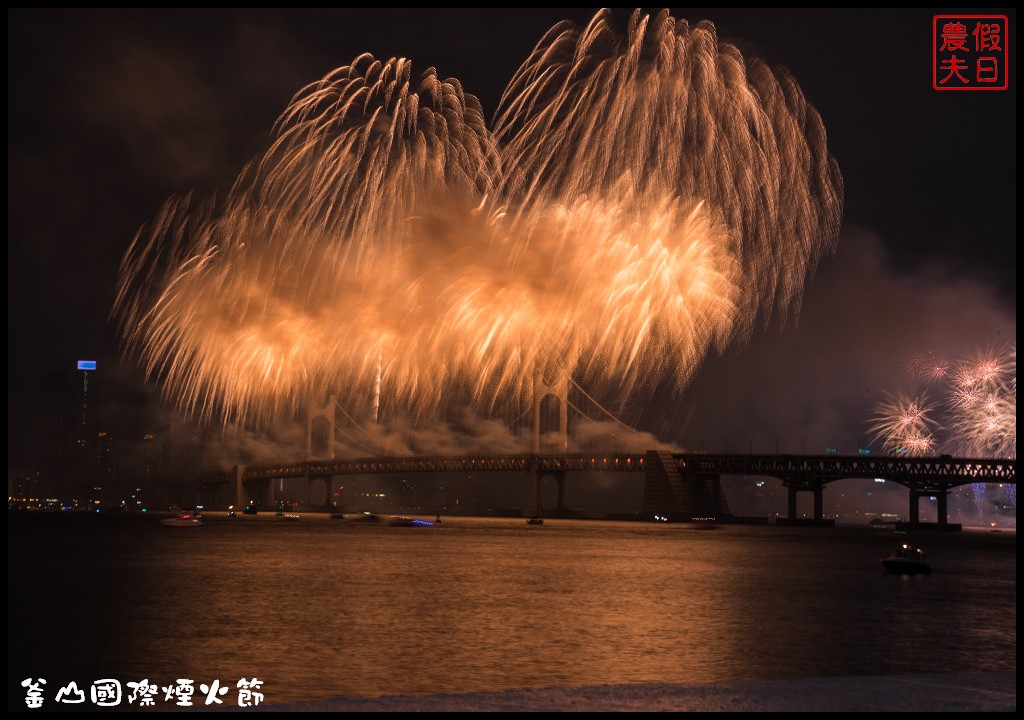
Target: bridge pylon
(320, 424)
(559, 388)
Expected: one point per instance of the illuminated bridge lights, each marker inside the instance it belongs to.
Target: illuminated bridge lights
(917, 472)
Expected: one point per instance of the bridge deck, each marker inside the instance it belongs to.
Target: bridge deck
(919, 472)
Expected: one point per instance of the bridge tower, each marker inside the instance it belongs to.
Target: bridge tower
(320, 433)
(559, 389)
(320, 424)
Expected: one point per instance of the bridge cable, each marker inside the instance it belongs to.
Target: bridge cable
(600, 407)
(372, 451)
(595, 422)
(357, 425)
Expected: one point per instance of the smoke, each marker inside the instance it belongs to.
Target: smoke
(816, 384)
(286, 442)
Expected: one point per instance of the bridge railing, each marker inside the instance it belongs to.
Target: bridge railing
(943, 470)
(940, 470)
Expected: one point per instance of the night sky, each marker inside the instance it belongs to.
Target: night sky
(110, 112)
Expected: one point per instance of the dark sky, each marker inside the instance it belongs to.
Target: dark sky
(110, 112)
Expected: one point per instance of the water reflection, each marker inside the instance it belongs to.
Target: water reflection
(318, 609)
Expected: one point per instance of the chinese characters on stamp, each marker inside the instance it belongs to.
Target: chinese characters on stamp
(970, 52)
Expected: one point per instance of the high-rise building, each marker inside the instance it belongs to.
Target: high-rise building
(80, 467)
(104, 470)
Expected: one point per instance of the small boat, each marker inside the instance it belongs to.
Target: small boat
(182, 520)
(700, 523)
(885, 520)
(907, 560)
(535, 520)
(403, 521)
(363, 517)
(385, 520)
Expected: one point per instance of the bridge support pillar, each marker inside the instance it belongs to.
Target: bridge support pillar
(941, 495)
(269, 494)
(241, 498)
(327, 490)
(537, 475)
(307, 496)
(943, 508)
(942, 505)
(915, 511)
(817, 489)
(538, 500)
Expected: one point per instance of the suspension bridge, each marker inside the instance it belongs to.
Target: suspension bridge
(567, 431)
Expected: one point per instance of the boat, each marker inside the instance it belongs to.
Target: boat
(403, 521)
(907, 560)
(182, 520)
(535, 520)
(694, 523)
(363, 517)
(701, 523)
(885, 520)
(385, 520)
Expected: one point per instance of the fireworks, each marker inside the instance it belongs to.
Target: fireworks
(978, 416)
(904, 424)
(983, 405)
(644, 196)
(928, 367)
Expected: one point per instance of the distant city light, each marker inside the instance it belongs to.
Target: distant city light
(86, 364)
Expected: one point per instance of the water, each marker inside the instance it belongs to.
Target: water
(319, 608)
